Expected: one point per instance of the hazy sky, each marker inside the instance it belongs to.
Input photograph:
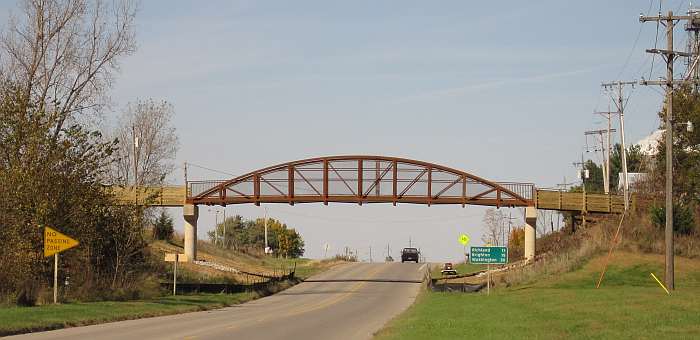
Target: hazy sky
(503, 90)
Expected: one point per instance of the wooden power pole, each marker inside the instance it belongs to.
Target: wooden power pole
(605, 149)
(669, 21)
(620, 104)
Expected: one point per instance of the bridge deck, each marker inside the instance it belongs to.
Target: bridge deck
(174, 196)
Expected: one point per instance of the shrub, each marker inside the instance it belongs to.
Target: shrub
(683, 221)
(163, 227)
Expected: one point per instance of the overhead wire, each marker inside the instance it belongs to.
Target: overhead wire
(634, 45)
(210, 169)
(380, 221)
(656, 41)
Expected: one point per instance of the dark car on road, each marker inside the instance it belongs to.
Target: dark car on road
(409, 254)
(448, 269)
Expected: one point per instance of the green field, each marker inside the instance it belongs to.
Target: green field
(15, 320)
(629, 305)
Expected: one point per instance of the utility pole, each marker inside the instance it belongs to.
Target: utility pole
(669, 55)
(693, 29)
(606, 148)
(224, 227)
(620, 104)
(136, 158)
(267, 249)
(606, 155)
(503, 240)
(370, 254)
(185, 173)
(583, 174)
(216, 227)
(565, 185)
(510, 225)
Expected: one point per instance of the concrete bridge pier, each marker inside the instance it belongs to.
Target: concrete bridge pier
(190, 212)
(530, 232)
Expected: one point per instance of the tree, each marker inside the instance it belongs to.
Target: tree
(247, 235)
(62, 55)
(635, 163)
(686, 146)
(516, 242)
(493, 224)
(594, 182)
(683, 221)
(149, 121)
(56, 182)
(163, 228)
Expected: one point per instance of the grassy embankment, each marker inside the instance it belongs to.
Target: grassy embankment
(629, 305)
(271, 266)
(14, 320)
(461, 268)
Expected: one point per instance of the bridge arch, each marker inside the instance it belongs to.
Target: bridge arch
(360, 179)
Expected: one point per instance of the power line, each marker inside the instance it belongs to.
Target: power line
(656, 41)
(356, 220)
(636, 40)
(210, 169)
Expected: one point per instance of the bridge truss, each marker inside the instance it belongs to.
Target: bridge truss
(360, 180)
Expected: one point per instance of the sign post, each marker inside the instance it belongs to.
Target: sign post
(54, 243)
(488, 278)
(488, 256)
(464, 239)
(175, 275)
(55, 278)
(175, 258)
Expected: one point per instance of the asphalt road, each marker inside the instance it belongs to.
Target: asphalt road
(350, 301)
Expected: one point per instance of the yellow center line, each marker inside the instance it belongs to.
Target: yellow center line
(319, 305)
(324, 304)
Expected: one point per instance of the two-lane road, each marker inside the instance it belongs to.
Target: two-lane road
(350, 301)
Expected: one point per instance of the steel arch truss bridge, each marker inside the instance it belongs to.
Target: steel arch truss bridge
(360, 179)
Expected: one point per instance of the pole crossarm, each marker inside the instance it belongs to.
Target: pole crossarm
(669, 52)
(665, 18)
(360, 179)
(598, 132)
(666, 82)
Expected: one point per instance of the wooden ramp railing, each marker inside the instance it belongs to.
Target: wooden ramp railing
(577, 201)
(166, 196)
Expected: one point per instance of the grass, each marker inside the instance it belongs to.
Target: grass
(462, 268)
(304, 267)
(15, 320)
(267, 265)
(629, 305)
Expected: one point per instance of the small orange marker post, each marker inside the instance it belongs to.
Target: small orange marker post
(660, 284)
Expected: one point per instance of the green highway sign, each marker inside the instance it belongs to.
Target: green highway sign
(488, 255)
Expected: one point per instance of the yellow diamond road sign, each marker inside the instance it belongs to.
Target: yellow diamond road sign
(55, 242)
(463, 239)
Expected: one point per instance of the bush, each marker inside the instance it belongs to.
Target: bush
(683, 221)
(163, 227)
